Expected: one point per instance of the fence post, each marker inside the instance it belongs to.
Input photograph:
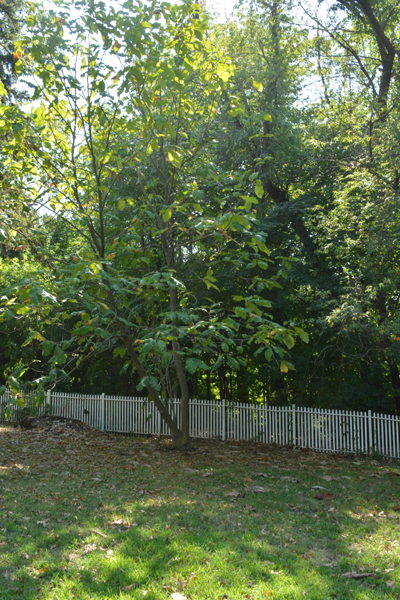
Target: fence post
(102, 413)
(223, 419)
(48, 400)
(371, 439)
(159, 421)
(294, 425)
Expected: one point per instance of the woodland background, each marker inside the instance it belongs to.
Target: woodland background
(298, 163)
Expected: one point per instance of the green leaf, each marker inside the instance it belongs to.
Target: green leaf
(225, 347)
(192, 364)
(60, 355)
(18, 67)
(303, 335)
(233, 362)
(160, 346)
(218, 363)
(258, 85)
(268, 354)
(121, 204)
(167, 215)
(259, 190)
(47, 348)
(267, 118)
(3, 91)
(289, 340)
(284, 366)
(223, 73)
(175, 158)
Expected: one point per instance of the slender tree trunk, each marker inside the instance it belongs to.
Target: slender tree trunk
(180, 373)
(395, 378)
(178, 436)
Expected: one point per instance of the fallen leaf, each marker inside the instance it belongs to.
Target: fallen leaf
(396, 507)
(259, 489)
(325, 496)
(177, 596)
(292, 479)
(103, 535)
(329, 478)
(390, 583)
(353, 575)
(45, 522)
(130, 587)
(250, 508)
(318, 487)
(233, 494)
(208, 474)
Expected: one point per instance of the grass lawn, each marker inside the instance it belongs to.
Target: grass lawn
(106, 516)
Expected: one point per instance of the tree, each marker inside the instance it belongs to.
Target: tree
(11, 20)
(118, 150)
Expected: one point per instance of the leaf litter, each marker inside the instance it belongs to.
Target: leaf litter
(94, 485)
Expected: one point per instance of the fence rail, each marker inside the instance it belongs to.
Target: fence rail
(313, 428)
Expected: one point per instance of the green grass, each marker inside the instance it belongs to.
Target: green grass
(75, 523)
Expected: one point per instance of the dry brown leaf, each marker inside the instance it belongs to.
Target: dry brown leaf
(103, 535)
(390, 584)
(325, 496)
(329, 478)
(259, 489)
(233, 494)
(396, 506)
(129, 587)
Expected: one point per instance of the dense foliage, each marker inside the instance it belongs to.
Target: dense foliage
(188, 203)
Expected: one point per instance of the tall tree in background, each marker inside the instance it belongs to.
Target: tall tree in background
(11, 22)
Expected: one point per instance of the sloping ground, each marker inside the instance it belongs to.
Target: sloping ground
(92, 515)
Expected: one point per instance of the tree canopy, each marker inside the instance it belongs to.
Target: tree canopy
(205, 209)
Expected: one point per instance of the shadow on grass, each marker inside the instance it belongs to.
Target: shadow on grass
(187, 537)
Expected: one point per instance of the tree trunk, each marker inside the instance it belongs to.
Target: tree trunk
(177, 435)
(180, 373)
(395, 377)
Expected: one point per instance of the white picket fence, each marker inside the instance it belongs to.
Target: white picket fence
(313, 428)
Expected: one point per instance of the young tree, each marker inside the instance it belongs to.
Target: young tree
(118, 148)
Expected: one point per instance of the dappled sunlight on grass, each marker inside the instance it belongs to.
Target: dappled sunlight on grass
(120, 517)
